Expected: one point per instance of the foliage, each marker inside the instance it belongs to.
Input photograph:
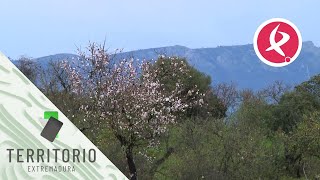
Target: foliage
(303, 148)
(163, 120)
(291, 109)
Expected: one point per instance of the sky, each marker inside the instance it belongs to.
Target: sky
(36, 28)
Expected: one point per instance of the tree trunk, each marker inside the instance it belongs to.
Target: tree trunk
(160, 161)
(131, 164)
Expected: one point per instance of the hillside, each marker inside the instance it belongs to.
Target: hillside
(237, 64)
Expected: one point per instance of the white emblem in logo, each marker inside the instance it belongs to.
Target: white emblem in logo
(277, 46)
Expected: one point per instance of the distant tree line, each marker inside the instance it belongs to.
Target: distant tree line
(165, 120)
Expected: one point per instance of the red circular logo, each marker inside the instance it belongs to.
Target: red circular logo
(277, 42)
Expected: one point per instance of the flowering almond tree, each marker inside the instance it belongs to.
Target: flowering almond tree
(127, 97)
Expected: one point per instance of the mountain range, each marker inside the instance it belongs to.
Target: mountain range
(238, 64)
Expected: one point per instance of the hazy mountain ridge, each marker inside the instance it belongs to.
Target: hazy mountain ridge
(238, 64)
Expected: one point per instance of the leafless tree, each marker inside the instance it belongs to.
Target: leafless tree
(28, 67)
(274, 92)
(228, 94)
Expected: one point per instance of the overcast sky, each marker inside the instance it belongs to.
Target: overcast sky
(43, 27)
